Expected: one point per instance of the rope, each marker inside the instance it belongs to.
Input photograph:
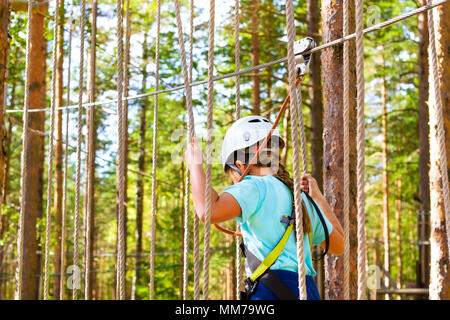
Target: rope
(437, 125)
(261, 66)
(90, 165)
(209, 121)
(24, 160)
(191, 134)
(237, 48)
(66, 157)
(79, 138)
(51, 155)
(295, 145)
(346, 148)
(360, 151)
(154, 156)
(120, 155)
(196, 220)
(237, 61)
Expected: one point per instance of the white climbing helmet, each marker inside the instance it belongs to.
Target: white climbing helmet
(244, 133)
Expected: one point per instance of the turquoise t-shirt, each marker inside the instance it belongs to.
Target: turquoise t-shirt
(263, 200)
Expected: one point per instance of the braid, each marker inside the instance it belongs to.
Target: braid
(284, 176)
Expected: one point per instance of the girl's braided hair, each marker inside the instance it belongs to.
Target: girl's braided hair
(270, 157)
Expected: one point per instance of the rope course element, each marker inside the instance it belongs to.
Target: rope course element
(237, 60)
(295, 145)
(79, 138)
(66, 157)
(360, 150)
(261, 66)
(90, 158)
(209, 121)
(120, 156)
(191, 134)
(51, 156)
(196, 243)
(346, 148)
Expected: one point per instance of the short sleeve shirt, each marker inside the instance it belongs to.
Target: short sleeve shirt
(263, 201)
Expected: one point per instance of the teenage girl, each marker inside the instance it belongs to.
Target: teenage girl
(259, 201)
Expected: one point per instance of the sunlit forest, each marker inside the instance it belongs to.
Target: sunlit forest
(67, 181)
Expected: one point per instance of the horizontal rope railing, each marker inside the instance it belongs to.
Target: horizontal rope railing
(261, 66)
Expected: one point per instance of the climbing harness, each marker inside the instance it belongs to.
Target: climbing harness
(261, 270)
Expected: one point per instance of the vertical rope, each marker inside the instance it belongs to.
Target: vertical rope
(196, 220)
(191, 134)
(209, 122)
(437, 118)
(90, 167)
(154, 156)
(346, 146)
(23, 160)
(79, 139)
(295, 145)
(120, 155)
(237, 62)
(360, 151)
(66, 157)
(237, 52)
(51, 155)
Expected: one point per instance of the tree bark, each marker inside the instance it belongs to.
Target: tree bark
(423, 218)
(256, 100)
(439, 273)
(34, 176)
(332, 70)
(315, 95)
(316, 109)
(59, 154)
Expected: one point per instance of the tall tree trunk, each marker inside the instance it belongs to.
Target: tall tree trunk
(141, 165)
(384, 172)
(439, 272)
(316, 109)
(423, 218)
(332, 62)
(4, 63)
(91, 139)
(315, 95)
(398, 218)
(59, 154)
(256, 100)
(34, 177)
